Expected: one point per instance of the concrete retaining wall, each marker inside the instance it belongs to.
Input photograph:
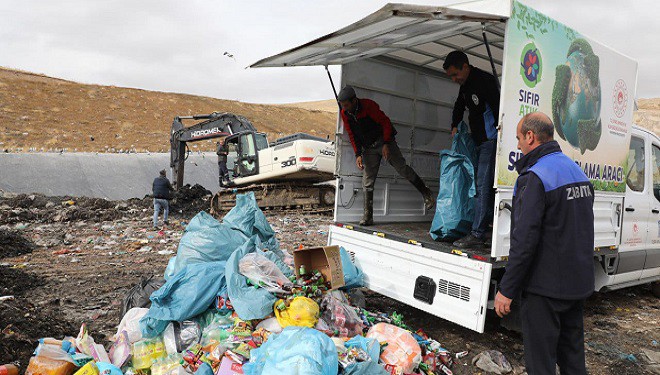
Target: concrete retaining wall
(110, 176)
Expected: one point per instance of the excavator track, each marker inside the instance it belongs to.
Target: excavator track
(300, 197)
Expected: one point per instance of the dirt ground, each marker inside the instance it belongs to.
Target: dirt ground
(69, 261)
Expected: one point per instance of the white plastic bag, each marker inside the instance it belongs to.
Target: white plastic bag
(258, 268)
(131, 324)
(270, 325)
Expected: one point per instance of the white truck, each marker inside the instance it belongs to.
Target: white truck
(395, 55)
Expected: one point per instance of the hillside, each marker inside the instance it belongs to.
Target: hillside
(44, 113)
(48, 113)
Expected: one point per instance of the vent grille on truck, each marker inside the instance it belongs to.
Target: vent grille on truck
(454, 290)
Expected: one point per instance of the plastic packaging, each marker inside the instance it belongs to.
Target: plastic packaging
(40, 365)
(301, 312)
(178, 336)
(85, 343)
(402, 349)
(353, 276)
(108, 369)
(248, 302)
(88, 369)
(296, 350)
(8, 370)
(188, 293)
(492, 361)
(131, 324)
(340, 316)
(142, 355)
(258, 268)
(270, 325)
(120, 350)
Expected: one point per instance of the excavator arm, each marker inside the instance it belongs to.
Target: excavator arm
(213, 125)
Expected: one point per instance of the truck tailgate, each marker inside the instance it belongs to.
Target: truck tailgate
(455, 287)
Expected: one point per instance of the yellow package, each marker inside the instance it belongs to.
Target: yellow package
(88, 369)
(302, 312)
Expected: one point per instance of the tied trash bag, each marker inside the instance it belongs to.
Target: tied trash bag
(263, 271)
(454, 210)
(248, 218)
(186, 294)
(249, 302)
(206, 240)
(339, 315)
(296, 350)
(353, 276)
(402, 349)
(301, 312)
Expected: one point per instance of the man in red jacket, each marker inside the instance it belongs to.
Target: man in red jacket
(372, 136)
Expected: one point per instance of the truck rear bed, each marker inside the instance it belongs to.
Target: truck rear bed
(417, 233)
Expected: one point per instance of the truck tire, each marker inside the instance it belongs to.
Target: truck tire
(655, 289)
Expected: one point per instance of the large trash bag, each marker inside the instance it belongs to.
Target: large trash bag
(353, 276)
(265, 272)
(186, 294)
(250, 302)
(248, 218)
(297, 350)
(464, 144)
(206, 240)
(454, 209)
(139, 294)
(339, 315)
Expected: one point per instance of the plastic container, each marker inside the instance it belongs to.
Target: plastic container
(8, 370)
(142, 355)
(41, 365)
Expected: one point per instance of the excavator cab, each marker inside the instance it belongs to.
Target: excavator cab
(244, 150)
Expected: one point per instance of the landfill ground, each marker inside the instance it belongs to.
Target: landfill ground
(69, 261)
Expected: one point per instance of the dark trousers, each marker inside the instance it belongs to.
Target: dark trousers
(222, 170)
(371, 157)
(553, 333)
(485, 199)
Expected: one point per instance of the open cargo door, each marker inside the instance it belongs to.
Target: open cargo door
(394, 56)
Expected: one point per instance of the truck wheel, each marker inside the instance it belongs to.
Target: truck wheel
(655, 289)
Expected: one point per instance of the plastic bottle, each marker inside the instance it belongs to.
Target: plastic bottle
(141, 355)
(157, 367)
(8, 370)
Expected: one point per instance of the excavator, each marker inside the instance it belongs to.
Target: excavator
(288, 173)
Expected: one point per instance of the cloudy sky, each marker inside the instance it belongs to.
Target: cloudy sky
(178, 46)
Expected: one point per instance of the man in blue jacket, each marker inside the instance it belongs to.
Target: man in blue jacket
(161, 190)
(550, 267)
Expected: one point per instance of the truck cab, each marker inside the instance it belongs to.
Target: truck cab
(395, 56)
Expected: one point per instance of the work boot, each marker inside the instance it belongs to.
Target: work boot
(469, 241)
(419, 184)
(368, 215)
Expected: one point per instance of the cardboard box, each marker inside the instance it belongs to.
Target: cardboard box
(326, 259)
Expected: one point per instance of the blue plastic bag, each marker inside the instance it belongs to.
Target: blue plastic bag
(464, 144)
(297, 350)
(206, 240)
(454, 210)
(250, 302)
(372, 347)
(186, 294)
(353, 276)
(248, 218)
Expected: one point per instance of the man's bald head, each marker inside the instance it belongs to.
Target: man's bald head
(534, 130)
(540, 124)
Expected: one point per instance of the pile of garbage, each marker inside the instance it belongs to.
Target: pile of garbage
(232, 302)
